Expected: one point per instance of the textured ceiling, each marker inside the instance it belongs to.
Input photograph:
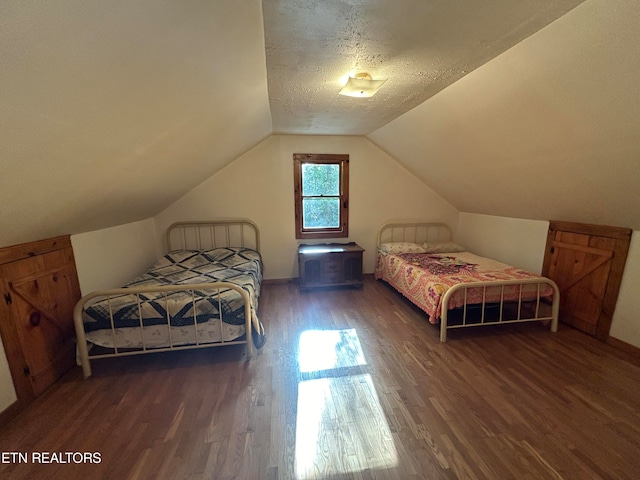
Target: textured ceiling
(419, 46)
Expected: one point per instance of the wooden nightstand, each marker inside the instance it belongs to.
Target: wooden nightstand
(330, 265)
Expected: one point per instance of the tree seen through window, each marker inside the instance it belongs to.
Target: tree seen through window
(321, 195)
(321, 191)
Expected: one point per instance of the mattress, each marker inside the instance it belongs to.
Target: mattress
(158, 336)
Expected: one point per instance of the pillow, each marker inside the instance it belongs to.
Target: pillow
(176, 256)
(442, 247)
(400, 247)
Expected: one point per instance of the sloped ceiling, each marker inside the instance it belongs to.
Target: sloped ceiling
(111, 111)
(550, 130)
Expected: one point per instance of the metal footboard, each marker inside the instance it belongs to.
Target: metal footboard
(214, 287)
(536, 306)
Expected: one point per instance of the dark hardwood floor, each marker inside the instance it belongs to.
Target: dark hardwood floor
(350, 384)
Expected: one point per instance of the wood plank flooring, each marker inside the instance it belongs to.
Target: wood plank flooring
(350, 385)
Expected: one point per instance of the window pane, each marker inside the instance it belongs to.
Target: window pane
(320, 212)
(320, 179)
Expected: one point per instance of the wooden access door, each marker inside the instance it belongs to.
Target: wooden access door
(587, 263)
(40, 292)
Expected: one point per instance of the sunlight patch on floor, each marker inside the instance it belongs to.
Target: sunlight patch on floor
(340, 426)
(329, 349)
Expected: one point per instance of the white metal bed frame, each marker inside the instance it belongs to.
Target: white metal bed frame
(421, 232)
(201, 235)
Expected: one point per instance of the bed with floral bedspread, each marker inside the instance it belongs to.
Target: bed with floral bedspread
(458, 288)
(424, 278)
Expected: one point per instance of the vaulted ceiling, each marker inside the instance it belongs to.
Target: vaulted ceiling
(111, 111)
(419, 46)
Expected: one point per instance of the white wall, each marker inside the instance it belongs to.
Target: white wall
(522, 243)
(110, 257)
(626, 319)
(7, 391)
(259, 186)
(510, 240)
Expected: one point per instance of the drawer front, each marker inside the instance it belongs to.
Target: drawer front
(332, 278)
(332, 266)
(333, 257)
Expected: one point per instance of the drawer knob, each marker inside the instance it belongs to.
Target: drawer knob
(34, 319)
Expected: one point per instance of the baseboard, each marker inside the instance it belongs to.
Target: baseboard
(281, 281)
(11, 412)
(624, 346)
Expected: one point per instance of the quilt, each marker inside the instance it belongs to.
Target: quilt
(424, 279)
(241, 266)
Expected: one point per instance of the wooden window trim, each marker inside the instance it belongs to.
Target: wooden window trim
(343, 160)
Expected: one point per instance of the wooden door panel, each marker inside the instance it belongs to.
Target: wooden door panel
(582, 272)
(574, 266)
(45, 339)
(586, 261)
(583, 305)
(43, 290)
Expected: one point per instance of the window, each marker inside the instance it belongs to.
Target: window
(321, 191)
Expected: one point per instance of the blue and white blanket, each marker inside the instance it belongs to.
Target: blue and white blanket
(238, 265)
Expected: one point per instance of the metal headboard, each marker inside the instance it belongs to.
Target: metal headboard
(205, 235)
(417, 232)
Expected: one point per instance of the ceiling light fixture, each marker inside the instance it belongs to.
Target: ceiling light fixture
(361, 85)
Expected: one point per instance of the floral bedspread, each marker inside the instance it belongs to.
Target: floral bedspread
(424, 278)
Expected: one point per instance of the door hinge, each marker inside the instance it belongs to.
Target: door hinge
(7, 298)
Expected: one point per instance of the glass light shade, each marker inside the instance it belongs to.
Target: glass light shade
(362, 85)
